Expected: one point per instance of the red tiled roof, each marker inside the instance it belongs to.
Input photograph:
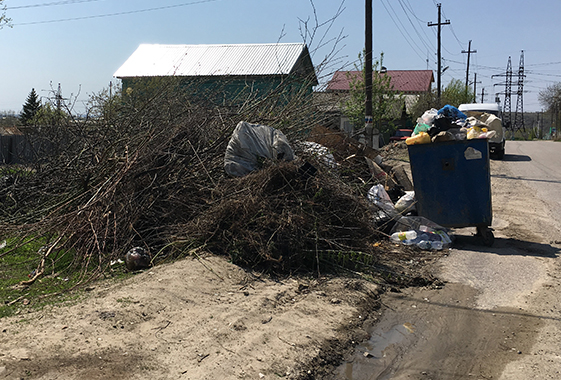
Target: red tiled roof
(406, 81)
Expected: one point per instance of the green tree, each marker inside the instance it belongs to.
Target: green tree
(386, 102)
(454, 94)
(30, 108)
(48, 115)
(4, 20)
(550, 99)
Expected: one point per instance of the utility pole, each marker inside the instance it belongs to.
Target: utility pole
(469, 51)
(368, 131)
(475, 82)
(439, 52)
(483, 95)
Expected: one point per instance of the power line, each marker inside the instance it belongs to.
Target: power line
(51, 4)
(402, 33)
(116, 14)
(408, 4)
(414, 28)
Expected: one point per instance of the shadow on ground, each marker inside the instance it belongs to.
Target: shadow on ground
(506, 246)
(516, 157)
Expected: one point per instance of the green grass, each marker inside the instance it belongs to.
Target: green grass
(59, 276)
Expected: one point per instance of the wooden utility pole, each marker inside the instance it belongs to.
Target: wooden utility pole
(439, 52)
(475, 82)
(469, 51)
(368, 73)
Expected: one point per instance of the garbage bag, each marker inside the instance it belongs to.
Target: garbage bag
(420, 127)
(251, 142)
(379, 197)
(422, 225)
(320, 152)
(406, 203)
(452, 112)
(489, 121)
(428, 116)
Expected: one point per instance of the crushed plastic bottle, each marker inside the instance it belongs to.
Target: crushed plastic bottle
(427, 245)
(404, 237)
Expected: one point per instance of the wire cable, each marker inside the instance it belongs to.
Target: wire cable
(117, 13)
(414, 28)
(51, 4)
(402, 33)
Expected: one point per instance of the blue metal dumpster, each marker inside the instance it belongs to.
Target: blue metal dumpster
(452, 183)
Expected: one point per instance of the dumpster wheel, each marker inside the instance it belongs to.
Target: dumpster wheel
(486, 235)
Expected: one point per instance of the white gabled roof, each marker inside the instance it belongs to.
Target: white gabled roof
(209, 60)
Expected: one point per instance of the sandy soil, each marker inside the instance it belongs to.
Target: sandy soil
(195, 319)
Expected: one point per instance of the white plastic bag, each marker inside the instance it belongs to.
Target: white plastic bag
(429, 116)
(379, 197)
(321, 152)
(249, 142)
(406, 203)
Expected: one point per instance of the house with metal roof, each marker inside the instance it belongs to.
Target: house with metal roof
(224, 73)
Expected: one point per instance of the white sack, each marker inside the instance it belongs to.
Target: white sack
(249, 142)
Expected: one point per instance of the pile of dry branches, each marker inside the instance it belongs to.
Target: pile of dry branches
(149, 173)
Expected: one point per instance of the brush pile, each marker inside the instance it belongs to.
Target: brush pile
(152, 175)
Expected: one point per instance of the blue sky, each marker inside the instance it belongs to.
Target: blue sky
(81, 43)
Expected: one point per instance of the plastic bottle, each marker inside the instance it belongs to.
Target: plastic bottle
(424, 244)
(403, 236)
(436, 245)
(428, 245)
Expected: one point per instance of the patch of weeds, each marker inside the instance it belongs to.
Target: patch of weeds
(20, 263)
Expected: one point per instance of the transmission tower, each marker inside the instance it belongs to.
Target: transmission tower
(507, 113)
(519, 113)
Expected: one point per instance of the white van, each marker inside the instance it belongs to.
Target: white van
(496, 143)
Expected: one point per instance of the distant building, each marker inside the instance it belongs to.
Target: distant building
(223, 74)
(410, 83)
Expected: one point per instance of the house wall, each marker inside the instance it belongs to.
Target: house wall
(223, 91)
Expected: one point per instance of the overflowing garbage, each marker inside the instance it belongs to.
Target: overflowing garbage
(449, 124)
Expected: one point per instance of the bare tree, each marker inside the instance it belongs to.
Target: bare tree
(4, 20)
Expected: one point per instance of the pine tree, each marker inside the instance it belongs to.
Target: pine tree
(30, 108)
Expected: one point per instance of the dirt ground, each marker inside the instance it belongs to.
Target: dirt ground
(204, 318)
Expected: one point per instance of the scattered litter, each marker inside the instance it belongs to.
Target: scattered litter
(137, 258)
(420, 231)
(320, 152)
(380, 198)
(406, 203)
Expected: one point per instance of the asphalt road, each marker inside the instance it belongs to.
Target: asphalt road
(538, 165)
